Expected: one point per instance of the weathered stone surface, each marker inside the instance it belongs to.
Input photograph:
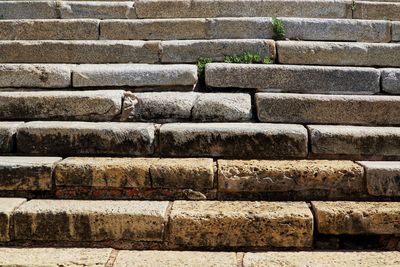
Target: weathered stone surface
(391, 81)
(337, 30)
(104, 172)
(134, 75)
(377, 10)
(304, 79)
(240, 28)
(62, 105)
(233, 140)
(222, 107)
(28, 10)
(105, 51)
(189, 51)
(354, 218)
(328, 109)
(240, 223)
(354, 141)
(79, 220)
(27, 173)
(49, 29)
(7, 206)
(383, 177)
(35, 75)
(396, 31)
(154, 29)
(98, 10)
(175, 259)
(319, 258)
(7, 132)
(342, 177)
(336, 53)
(183, 173)
(85, 138)
(68, 257)
(255, 8)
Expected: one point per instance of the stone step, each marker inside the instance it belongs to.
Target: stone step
(292, 78)
(328, 109)
(338, 53)
(377, 10)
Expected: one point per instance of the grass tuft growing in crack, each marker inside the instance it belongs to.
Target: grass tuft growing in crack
(247, 58)
(279, 28)
(201, 67)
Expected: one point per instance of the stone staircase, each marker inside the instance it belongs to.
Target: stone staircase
(118, 149)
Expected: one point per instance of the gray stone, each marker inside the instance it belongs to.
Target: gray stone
(86, 138)
(105, 51)
(396, 31)
(338, 53)
(240, 28)
(27, 173)
(383, 177)
(35, 75)
(80, 220)
(154, 29)
(134, 75)
(98, 10)
(7, 132)
(189, 51)
(303, 79)
(354, 141)
(233, 140)
(328, 109)
(28, 10)
(61, 105)
(391, 81)
(7, 207)
(377, 10)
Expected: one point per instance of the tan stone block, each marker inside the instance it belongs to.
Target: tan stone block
(7, 132)
(7, 207)
(97, 9)
(377, 10)
(10, 10)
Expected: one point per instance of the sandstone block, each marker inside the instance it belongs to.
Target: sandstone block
(97, 10)
(396, 31)
(383, 177)
(280, 78)
(240, 224)
(240, 28)
(391, 81)
(238, 140)
(354, 218)
(7, 207)
(28, 10)
(328, 109)
(7, 132)
(86, 138)
(74, 220)
(377, 10)
(336, 53)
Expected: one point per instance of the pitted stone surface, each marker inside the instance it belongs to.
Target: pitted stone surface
(396, 31)
(28, 10)
(7, 207)
(391, 81)
(97, 10)
(377, 10)
(239, 28)
(7, 132)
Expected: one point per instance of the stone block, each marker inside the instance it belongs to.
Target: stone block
(7, 207)
(391, 81)
(240, 28)
(7, 131)
(377, 10)
(97, 10)
(396, 31)
(11, 10)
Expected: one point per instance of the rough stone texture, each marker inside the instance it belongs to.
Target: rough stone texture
(336, 218)
(239, 223)
(104, 172)
(303, 79)
(154, 29)
(383, 177)
(337, 30)
(7, 206)
(328, 109)
(254, 8)
(27, 173)
(396, 31)
(175, 259)
(98, 10)
(391, 81)
(86, 138)
(354, 141)
(319, 258)
(183, 173)
(222, 107)
(135, 75)
(62, 105)
(233, 140)
(49, 29)
(240, 28)
(7, 132)
(342, 177)
(105, 51)
(336, 53)
(79, 220)
(189, 51)
(67, 257)
(28, 10)
(377, 10)
(35, 75)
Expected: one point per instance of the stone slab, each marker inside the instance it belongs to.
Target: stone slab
(377, 10)
(233, 140)
(86, 138)
(391, 81)
(8, 130)
(240, 28)
(354, 218)
(97, 10)
(396, 31)
(7, 207)
(296, 79)
(240, 224)
(85, 220)
(328, 109)
(28, 10)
